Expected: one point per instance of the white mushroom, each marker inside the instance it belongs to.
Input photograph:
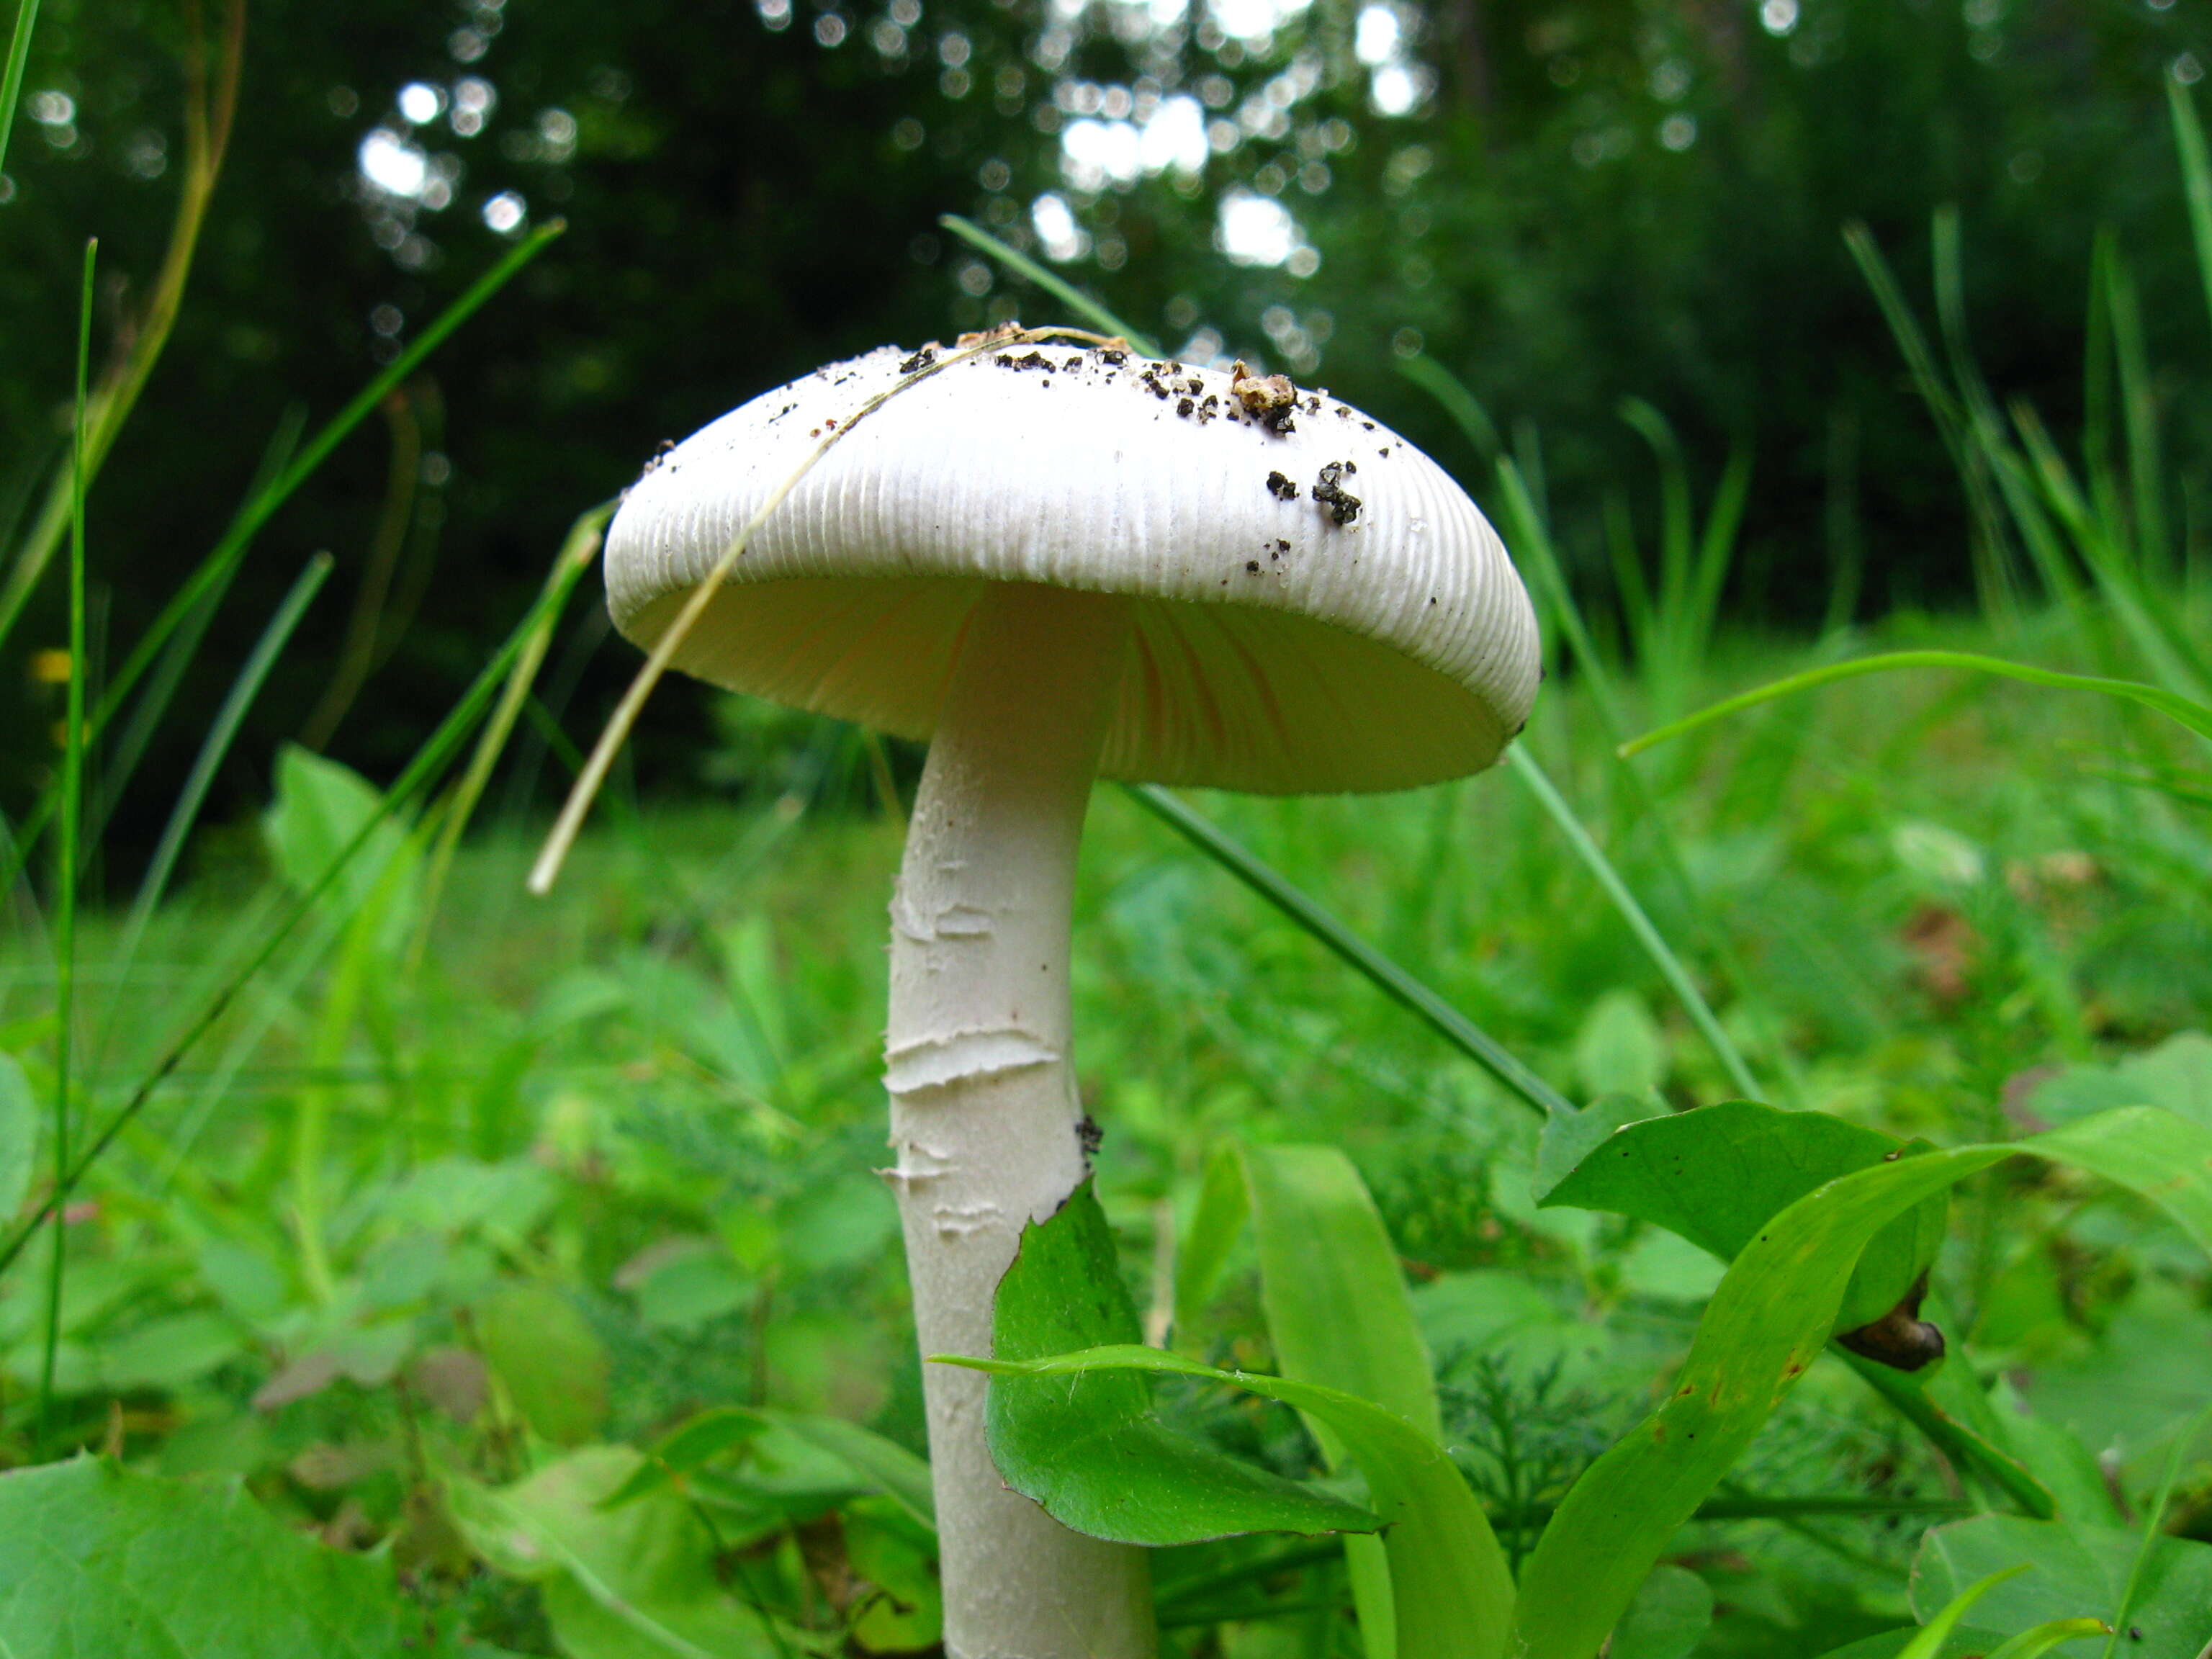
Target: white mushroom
(1052, 563)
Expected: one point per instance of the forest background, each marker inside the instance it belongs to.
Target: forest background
(1566, 203)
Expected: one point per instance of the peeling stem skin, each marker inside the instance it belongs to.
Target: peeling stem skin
(984, 1109)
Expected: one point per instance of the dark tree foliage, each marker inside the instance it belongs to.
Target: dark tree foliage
(1565, 201)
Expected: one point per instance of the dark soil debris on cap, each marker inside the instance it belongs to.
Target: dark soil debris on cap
(1035, 360)
(1113, 356)
(1282, 488)
(1184, 406)
(661, 454)
(1252, 566)
(1282, 546)
(1343, 506)
(920, 360)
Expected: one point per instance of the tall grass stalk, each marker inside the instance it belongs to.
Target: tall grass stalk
(65, 885)
(429, 763)
(1655, 945)
(214, 748)
(209, 113)
(217, 567)
(11, 79)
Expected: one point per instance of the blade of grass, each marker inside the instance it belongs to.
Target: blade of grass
(616, 733)
(11, 84)
(1530, 772)
(1446, 387)
(65, 883)
(1386, 975)
(2196, 175)
(207, 122)
(1059, 287)
(2153, 1514)
(578, 550)
(262, 507)
(419, 773)
(168, 672)
(214, 748)
(2194, 715)
(1530, 533)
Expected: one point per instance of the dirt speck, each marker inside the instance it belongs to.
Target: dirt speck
(920, 360)
(1281, 488)
(1184, 406)
(1034, 361)
(1328, 489)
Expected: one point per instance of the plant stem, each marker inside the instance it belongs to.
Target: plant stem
(986, 1123)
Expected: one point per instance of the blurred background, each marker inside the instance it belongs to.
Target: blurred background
(1565, 203)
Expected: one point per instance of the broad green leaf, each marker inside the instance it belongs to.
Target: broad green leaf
(783, 1466)
(1717, 1175)
(1620, 1049)
(887, 1549)
(1338, 1315)
(2077, 1572)
(18, 1136)
(551, 1363)
(687, 1449)
(1202, 1253)
(1093, 1452)
(321, 806)
(1765, 1324)
(1667, 1619)
(1440, 1540)
(2177, 1075)
(637, 1582)
(1569, 1137)
(1337, 1309)
(96, 1559)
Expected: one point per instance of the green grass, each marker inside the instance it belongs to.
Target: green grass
(655, 1092)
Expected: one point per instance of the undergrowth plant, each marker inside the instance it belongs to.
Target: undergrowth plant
(392, 1264)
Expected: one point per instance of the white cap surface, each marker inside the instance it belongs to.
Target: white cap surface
(1316, 605)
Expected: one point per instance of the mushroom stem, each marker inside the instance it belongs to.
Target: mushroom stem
(984, 1118)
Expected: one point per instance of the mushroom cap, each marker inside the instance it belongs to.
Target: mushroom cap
(1315, 604)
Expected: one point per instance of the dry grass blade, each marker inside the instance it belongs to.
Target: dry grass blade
(547, 870)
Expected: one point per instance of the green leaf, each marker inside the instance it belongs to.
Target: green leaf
(798, 1467)
(1337, 1309)
(1569, 1137)
(1338, 1315)
(1450, 1606)
(1765, 1324)
(320, 808)
(2078, 1572)
(1668, 1616)
(1961, 1643)
(1620, 1049)
(1717, 1175)
(97, 1560)
(2176, 1075)
(1928, 1644)
(1094, 1453)
(632, 1582)
(18, 1136)
(886, 1549)
(550, 1360)
(1202, 1252)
